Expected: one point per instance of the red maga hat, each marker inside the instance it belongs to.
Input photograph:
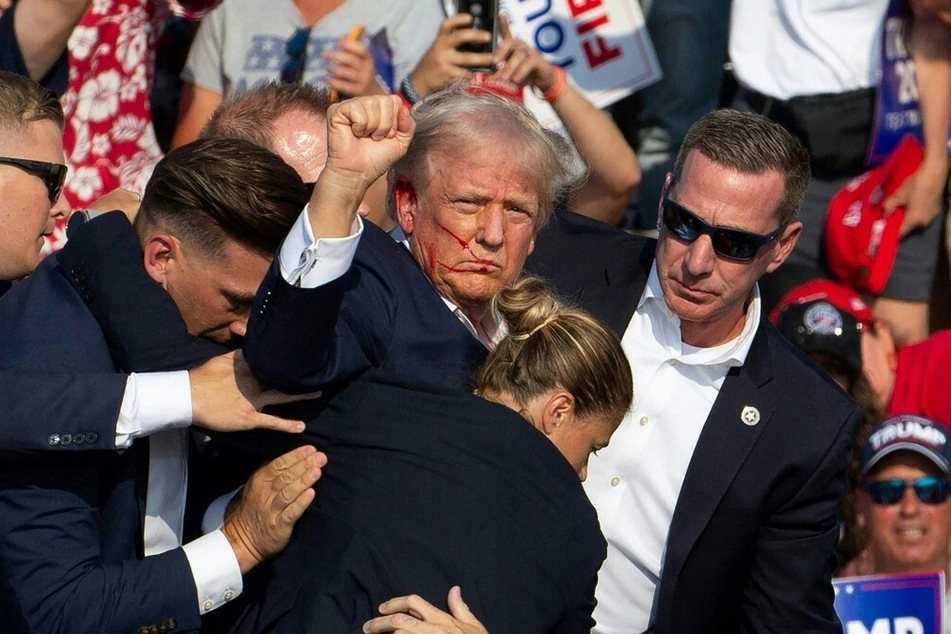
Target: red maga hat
(861, 242)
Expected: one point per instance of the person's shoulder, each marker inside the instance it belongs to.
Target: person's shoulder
(801, 378)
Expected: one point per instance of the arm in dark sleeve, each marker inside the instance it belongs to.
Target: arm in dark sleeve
(59, 411)
(55, 577)
(304, 339)
(145, 332)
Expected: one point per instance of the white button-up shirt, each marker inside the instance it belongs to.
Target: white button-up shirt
(634, 483)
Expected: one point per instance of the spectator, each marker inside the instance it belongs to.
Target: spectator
(815, 70)
(33, 35)
(241, 43)
(902, 503)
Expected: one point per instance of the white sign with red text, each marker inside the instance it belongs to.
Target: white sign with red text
(602, 44)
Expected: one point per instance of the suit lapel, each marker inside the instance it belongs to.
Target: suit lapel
(723, 446)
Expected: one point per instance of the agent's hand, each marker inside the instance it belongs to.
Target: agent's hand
(258, 523)
(412, 614)
(226, 397)
(352, 71)
(443, 62)
(119, 199)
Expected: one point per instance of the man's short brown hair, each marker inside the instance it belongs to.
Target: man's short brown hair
(751, 144)
(23, 101)
(212, 190)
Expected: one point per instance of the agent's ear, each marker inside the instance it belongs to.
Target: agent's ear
(162, 254)
(407, 203)
(558, 409)
(663, 194)
(787, 240)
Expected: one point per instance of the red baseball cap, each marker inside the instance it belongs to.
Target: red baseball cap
(824, 315)
(861, 242)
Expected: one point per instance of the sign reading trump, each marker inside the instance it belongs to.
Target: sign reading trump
(891, 604)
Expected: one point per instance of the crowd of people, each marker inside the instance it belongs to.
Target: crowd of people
(318, 366)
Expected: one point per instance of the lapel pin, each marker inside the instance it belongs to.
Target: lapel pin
(749, 415)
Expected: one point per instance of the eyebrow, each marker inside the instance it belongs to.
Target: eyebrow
(237, 297)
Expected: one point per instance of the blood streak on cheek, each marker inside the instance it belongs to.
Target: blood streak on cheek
(462, 243)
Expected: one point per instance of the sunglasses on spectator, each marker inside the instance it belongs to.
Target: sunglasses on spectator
(930, 490)
(53, 175)
(296, 49)
(732, 244)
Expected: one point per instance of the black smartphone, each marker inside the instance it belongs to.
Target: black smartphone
(485, 17)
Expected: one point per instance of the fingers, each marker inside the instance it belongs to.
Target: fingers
(412, 604)
(376, 117)
(458, 607)
(450, 24)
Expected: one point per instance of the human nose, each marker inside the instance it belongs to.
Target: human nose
(700, 257)
(239, 327)
(60, 208)
(492, 226)
(910, 504)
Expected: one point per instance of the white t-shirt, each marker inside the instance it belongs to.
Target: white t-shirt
(786, 48)
(242, 42)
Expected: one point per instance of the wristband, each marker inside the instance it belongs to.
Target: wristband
(406, 87)
(561, 78)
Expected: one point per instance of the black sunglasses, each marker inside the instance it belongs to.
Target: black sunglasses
(732, 244)
(296, 49)
(930, 490)
(53, 175)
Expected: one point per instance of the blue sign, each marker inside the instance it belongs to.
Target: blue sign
(896, 106)
(890, 604)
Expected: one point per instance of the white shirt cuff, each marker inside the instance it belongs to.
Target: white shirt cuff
(301, 253)
(214, 517)
(152, 402)
(215, 570)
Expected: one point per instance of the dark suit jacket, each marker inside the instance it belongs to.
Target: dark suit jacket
(751, 541)
(384, 313)
(425, 489)
(70, 524)
(54, 410)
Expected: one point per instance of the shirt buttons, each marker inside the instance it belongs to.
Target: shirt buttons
(615, 481)
(673, 362)
(207, 605)
(644, 420)
(229, 594)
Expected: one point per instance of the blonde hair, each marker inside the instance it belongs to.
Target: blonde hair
(551, 345)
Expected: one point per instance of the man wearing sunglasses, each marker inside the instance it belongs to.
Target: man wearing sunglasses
(902, 503)
(720, 490)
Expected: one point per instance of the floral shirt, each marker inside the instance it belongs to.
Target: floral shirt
(108, 138)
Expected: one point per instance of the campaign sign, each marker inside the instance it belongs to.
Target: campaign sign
(602, 44)
(891, 604)
(896, 105)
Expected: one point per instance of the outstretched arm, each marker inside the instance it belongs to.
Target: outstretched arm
(613, 170)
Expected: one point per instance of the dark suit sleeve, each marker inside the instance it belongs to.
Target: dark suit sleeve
(790, 583)
(144, 330)
(303, 339)
(55, 575)
(66, 412)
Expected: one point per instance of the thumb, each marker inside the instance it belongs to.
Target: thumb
(898, 198)
(458, 607)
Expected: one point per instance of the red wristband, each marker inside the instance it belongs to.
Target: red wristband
(561, 78)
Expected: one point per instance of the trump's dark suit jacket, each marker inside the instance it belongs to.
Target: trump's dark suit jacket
(70, 523)
(751, 541)
(429, 488)
(383, 313)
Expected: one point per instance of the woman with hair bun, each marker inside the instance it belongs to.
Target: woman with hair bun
(560, 368)
(429, 488)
